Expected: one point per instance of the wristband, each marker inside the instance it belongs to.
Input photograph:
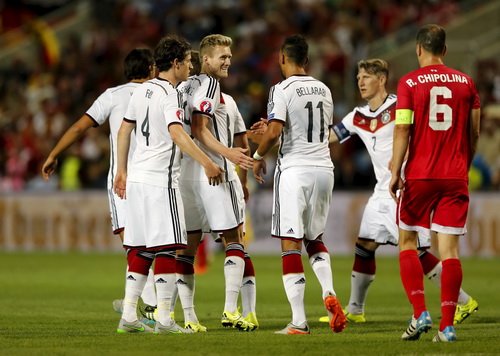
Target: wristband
(257, 156)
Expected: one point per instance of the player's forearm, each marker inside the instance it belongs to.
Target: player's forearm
(400, 146)
(71, 136)
(204, 135)
(123, 145)
(187, 145)
(270, 138)
(333, 137)
(242, 142)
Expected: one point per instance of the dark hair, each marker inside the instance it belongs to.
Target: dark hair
(295, 49)
(375, 66)
(195, 61)
(137, 63)
(432, 38)
(169, 48)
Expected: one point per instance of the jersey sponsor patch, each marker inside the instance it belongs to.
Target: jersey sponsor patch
(206, 107)
(180, 115)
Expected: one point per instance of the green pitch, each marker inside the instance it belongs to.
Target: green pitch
(60, 304)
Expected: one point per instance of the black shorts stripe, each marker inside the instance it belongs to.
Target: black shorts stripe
(276, 217)
(114, 213)
(171, 164)
(174, 214)
(234, 201)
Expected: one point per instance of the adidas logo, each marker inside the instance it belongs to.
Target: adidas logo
(318, 259)
(160, 280)
(180, 281)
(290, 231)
(249, 282)
(301, 281)
(229, 263)
(131, 278)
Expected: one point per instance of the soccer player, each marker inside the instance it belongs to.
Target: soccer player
(207, 121)
(111, 105)
(374, 124)
(155, 218)
(437, 120)
(300, 111)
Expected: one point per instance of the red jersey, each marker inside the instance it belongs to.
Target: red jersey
(441, 99)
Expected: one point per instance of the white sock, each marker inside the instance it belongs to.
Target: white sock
(185, 288)
(360, 282)
(134, 284)
(248, 295)
(320, 263)
(175, 295)
(149, 293)
(234, 267)
(435, 277)
(295, 285)
(165, 284)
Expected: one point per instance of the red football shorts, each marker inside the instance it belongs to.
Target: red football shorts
(437, 204)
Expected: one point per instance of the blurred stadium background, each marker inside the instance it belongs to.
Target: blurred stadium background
(57, 56)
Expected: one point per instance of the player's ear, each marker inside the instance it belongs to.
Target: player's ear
(444, 50)
(306, 62)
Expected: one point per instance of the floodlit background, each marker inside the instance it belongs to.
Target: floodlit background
(57, 56)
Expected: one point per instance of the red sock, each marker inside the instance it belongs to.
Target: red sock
(249, 271)
(131, 253)
(314, 247)
(428, 261)
(413, 280)
(201, 255)
(140, 265)
(451, 280)
(292, 263)
(164, 265)
(184, 265)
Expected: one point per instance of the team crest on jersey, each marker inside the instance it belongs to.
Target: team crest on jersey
(373, 124)
(180, 115)
(206, 106)
(386, 117)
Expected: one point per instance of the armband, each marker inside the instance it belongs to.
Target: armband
(257, 156)
(404, 117)
(342, 133)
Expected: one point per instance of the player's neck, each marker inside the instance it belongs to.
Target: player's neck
(429, 60)
(375, 102)
(170, 76)
(291, 70)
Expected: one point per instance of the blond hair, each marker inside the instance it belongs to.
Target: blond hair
(375, 66)
(211, 41)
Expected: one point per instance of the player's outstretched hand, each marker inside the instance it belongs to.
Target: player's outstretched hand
(257, 167)
(48, 168)
(215, 173)
(260, 127)
(395, 185)
(238, 156)
(120, 185)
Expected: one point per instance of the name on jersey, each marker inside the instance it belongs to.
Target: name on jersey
(434, 78)
(310, 91)
(149, 93)
(187, 89)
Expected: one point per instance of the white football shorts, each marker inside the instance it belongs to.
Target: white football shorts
(379, 223)
(218, 206)
(155, 217)
(302, 197)
(117, 210)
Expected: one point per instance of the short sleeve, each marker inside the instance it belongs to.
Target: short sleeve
(276, 106)
(206, 96)
(404, 94)
(130, 115)
(101, 108)
(172, 112)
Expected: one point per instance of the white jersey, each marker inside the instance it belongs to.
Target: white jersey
(112, 105)
(375, 128)
(202, 96)
(305, 106)
(154, 106)
(235, 120)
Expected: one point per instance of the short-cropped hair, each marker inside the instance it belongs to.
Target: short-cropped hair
(375, 66)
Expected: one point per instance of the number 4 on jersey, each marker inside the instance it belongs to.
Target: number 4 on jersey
(145, 127)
